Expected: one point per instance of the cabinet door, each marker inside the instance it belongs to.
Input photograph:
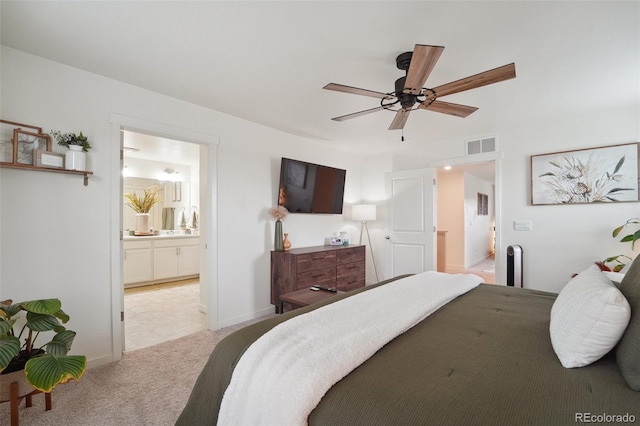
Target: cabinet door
(165, 262)
(137, 265)
(189, 260)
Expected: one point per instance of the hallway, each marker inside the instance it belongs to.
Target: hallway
(485, 269)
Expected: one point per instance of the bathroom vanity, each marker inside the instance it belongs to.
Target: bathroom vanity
(160, 258)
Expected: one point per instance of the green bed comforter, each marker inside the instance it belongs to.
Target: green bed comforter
(483, 359)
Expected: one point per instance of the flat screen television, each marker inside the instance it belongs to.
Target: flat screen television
(310, 188)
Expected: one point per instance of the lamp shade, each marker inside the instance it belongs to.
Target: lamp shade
(364, 212)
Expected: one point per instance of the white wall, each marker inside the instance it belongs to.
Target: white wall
(565, 238)
(56, 233)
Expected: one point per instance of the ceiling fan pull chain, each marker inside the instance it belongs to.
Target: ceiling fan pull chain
(402, 137)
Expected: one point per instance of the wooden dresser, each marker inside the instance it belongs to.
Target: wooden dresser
(342, 267)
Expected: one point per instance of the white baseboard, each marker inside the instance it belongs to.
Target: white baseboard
(99, 361)
(237, 320)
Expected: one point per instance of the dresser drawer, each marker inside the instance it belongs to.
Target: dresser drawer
(355, 254)
(312, 261)
(350, 276)
(324, 276)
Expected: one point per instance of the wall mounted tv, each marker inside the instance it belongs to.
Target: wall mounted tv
(310, 188)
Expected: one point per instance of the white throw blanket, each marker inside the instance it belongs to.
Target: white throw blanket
(284, 374)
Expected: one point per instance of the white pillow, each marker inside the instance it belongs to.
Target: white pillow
(587, 319)
(616, 277)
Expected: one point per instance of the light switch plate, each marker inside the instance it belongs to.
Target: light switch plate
(522, 225)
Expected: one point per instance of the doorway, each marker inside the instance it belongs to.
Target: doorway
(161, 268)
(467, 219)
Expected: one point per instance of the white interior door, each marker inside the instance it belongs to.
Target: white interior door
(410, 245)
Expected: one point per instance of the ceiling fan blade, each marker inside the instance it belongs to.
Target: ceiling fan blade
(356, 91)
(449, 108)
(495, 75)
(357, 114)
(423, 60)
(400, 119)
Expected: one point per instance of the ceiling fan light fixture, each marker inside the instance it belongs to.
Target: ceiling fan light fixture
(409, 89)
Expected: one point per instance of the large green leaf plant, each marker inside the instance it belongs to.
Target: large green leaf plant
(47, 365)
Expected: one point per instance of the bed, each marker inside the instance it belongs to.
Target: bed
(485, 357)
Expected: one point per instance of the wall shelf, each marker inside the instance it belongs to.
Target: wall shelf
(85, 173)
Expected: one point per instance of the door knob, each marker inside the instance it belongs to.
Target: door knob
(386, 237)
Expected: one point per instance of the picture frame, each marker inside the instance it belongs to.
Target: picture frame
(482, 204)
(7, 151)
(48, 159)
(26, 143)
(603, 174)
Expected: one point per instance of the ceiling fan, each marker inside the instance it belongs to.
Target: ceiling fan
(410, 94)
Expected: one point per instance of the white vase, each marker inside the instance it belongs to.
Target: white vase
(75, 158)
(143, 224)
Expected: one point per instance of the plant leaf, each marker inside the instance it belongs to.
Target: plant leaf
(9, 348)
(44, 306)
(618, 190)
(5, 327)
(620, 163)
(61, 343)
(631, 238)
(617, 230)
(40, 322)
(10, 309)
(61, 316)
(46, 371)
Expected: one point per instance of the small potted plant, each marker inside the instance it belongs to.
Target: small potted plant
(71, 139)
(43, 367)
(142, 205)
(75, 158)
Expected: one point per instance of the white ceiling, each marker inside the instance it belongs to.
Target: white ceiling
(268, 61)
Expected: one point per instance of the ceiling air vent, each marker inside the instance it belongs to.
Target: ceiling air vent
(480, 146)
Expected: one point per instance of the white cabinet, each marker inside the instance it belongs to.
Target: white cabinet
(189, 260)
(155, 259)
(175, 258)
(138, 258)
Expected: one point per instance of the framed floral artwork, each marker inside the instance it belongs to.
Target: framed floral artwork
(594, 175)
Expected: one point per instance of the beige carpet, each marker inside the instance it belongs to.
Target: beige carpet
(147, 387)
(160, 314)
